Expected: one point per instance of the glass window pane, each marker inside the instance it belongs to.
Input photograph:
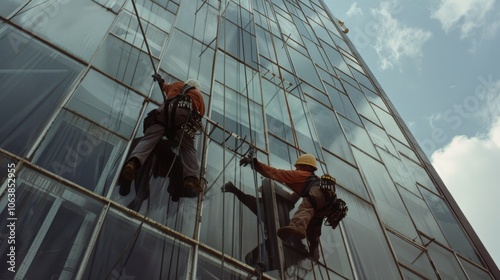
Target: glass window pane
(235, 222)
(419, 174)
(303, 125)
(200, 19)
(123, 252)
(113, 5)
(389, 124)
(342, 104)
(450, 226)
(367, 243)
(445, 262)
(422, 216)
(53, 228)
(361, 104)
(333, 248)
(186, 58)
(127, 28)
(282, 155)
(277, 117)
(398, 171)
(152, 13)
(28, 99)
(81, 152)
(380, 137)
(65, 24)
(474, 272)
(357, 136)
(115, 53)
(412, 257)
(328, 129)
(232, 110)
(385, 195)
(8, 6)
(346, 175)
(304, 68)
(107, 103)
(213, 268)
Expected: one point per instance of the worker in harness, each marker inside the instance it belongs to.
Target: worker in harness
(178, 118)
(308, 219)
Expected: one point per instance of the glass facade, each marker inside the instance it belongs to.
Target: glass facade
(280, 76)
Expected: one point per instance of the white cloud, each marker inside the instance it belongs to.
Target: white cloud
(394, 40)
(354, 10)
(469, 168)
(467, 15)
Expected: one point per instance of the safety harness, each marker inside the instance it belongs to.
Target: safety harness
(179, 101)
(335, 207)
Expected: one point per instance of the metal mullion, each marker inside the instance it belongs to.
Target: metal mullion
(35, 245)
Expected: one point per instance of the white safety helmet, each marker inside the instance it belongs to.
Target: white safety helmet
(194, 83)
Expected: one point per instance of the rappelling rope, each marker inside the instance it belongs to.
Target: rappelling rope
(147, 45)
(155, 198)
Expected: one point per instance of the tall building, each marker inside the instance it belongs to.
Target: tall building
(279, 76)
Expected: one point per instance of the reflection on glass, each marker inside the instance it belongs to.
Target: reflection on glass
(329, 130)
(81, 152)
(201, 22)
(213, 268)
(412, 256)
(385, 195)
(421, 216)
(474, 272)
(53, 228)
(358, 137)
(228, 222)
(64, 23)
(450, 226)
(237, 114)
(115, 53)
(186, 58)
(346, 175)
(28, 99)
(370, 252)
(107, 103)
(128, 29)
(123, 251)
(277, 116)
(445, 262)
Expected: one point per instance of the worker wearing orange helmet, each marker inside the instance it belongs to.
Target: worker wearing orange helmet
(308, 219)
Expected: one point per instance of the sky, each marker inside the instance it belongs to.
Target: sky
(438, 61)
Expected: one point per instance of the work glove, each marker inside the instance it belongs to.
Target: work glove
(228, 187)
(247, 160)
(157, 78)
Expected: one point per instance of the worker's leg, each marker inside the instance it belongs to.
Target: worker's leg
(151, 137)
(187, 151)
(304, 214)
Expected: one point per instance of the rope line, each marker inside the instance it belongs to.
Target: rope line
(134, 238)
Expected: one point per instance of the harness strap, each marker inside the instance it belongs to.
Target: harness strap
(173, 104)
(311, 181)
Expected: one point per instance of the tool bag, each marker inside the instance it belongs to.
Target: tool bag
(336, 206)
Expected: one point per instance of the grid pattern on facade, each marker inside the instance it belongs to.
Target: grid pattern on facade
(75, 84)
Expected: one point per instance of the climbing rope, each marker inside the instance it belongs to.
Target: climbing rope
(155, 198)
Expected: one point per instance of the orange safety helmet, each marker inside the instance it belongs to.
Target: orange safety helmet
(307, 159)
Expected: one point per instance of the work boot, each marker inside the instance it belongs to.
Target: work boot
(290, 231)
(192, 183)
(128, 172)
